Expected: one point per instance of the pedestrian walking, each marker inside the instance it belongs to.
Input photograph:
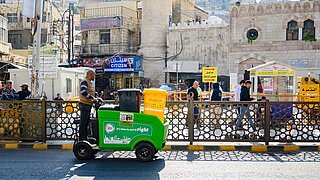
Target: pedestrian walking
(216, 93)
(86, 101)
(237, 90)
(244, 110)
(24, 92)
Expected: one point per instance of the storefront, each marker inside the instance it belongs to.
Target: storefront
(116, 72)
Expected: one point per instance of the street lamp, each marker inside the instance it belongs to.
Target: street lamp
(69, 32)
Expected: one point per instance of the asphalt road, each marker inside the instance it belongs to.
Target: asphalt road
(61, 164)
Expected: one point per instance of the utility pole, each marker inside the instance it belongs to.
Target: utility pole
(36, 49)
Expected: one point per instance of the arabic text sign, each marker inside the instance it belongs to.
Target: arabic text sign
(47, 67)
(119, 64)
(209, 74)
(310, 89)
(275, 73)
(101, 23)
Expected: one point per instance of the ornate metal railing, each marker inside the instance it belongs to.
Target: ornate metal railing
(189, 121)
(22, 120)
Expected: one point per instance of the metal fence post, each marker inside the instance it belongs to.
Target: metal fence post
(267, 122)
(191, 121)
(43, 121)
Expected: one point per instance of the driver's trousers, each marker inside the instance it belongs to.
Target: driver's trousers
(85, 111)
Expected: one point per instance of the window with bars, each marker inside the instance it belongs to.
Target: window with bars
(292, 31)
(15, 38)
(12, 17)
(104, 36)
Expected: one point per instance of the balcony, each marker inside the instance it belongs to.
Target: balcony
(106, 49)
(108, 12)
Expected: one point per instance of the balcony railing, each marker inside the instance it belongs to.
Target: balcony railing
(106, 49)
(108, 12)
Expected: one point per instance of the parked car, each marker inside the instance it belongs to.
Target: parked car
(172, 88)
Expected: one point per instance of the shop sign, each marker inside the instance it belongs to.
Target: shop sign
(121, 64)
(137, 63)
(210, 74)
(92, 62)
(101, 23)
(275, 73)
(274, 70)
(99, 71)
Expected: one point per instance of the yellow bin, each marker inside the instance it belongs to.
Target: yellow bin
(155, 102)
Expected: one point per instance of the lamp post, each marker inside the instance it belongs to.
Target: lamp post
(69, 32)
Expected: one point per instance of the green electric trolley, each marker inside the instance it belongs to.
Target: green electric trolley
(126, 128)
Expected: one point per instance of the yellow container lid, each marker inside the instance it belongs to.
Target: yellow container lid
(155, 91)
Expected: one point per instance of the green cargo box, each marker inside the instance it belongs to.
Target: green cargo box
(123, 131)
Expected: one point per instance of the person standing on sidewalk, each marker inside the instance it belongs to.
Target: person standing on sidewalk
(8, 92)
(59, 105)
(194, 95)
(86, 100)
(25, 92)
(244, 110)
(237, 90)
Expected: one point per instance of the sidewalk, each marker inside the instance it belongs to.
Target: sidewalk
(184, 146)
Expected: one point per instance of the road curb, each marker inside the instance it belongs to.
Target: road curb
(248, 148)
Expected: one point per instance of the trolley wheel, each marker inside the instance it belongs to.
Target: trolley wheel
(83, 151)
(145, 151)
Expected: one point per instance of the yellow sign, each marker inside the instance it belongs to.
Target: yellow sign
(310, 92)
(274, 73)
(210, 74)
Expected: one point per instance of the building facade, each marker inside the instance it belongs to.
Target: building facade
(187, 11)
(110, 41)
(4, 45)
(19, 26)
(284, 32)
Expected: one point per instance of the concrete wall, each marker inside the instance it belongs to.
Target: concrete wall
(206, 44)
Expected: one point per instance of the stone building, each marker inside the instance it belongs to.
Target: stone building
(196, 46)
(187, 11)
(19, 26)
(110, 41)
(157, 16)
(286, 32)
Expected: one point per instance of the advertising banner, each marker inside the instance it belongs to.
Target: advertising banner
(101, 23)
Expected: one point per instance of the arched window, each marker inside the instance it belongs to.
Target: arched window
(292, 30)
(308, 30)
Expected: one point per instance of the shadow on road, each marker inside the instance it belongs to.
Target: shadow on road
(220, 156)
(117, 165)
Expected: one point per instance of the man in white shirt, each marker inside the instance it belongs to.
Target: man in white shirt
(237, 90)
